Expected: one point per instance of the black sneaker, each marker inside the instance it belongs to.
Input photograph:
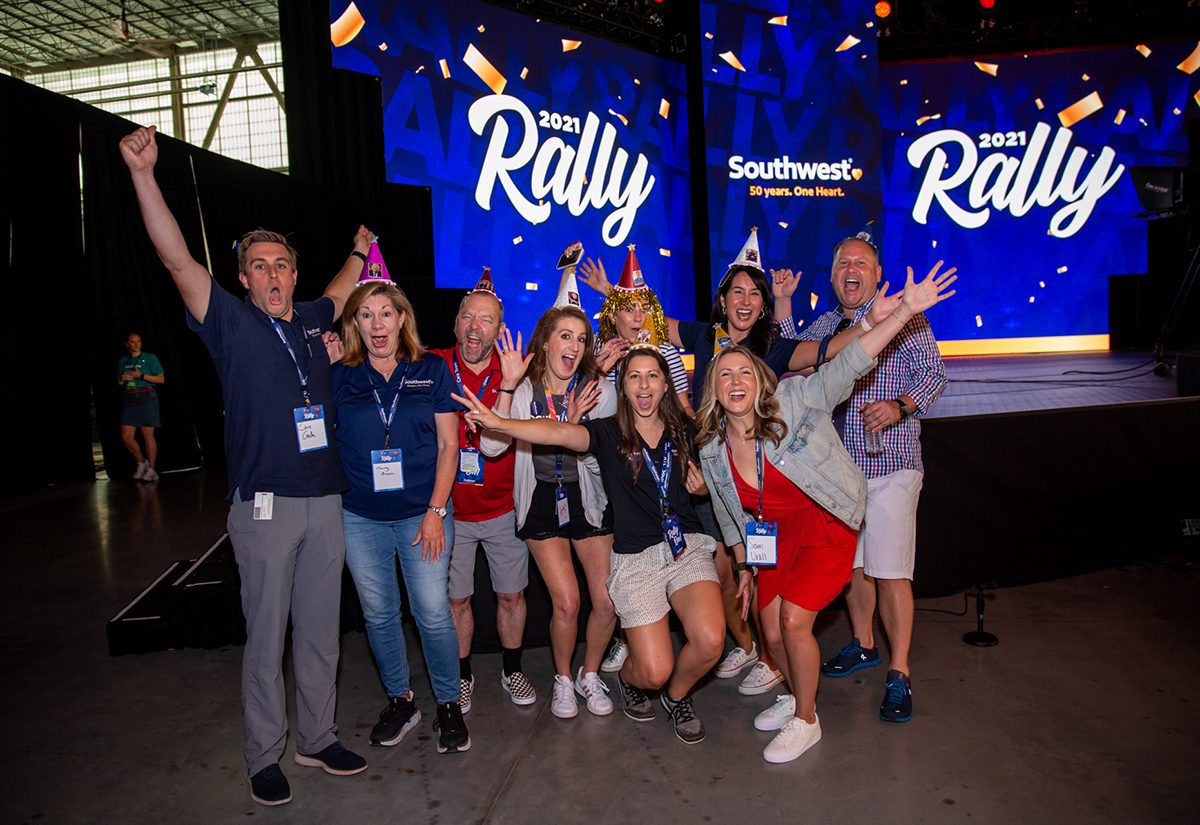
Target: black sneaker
(452, 730)
(270, 787)
(850, 658)
(897, 698)
(688, 726)
(635, 703)
(334, 759)
(398, 718)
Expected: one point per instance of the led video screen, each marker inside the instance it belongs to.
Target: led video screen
(1016, 170)
(790, 96)
(530, 137)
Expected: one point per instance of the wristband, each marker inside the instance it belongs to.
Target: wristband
(739, 566)
(865, 324)
(904, 411)
(510, 392)
(358, 254)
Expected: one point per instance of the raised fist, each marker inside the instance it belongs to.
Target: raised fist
(139, 150)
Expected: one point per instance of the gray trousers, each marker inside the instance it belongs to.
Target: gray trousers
(292, 563)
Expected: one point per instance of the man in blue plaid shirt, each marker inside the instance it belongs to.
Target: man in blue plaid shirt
(888, 401)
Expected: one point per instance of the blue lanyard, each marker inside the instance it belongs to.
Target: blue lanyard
(386, 418)
(758, 463)
(458, 376)
(663, 479)
(300, 373)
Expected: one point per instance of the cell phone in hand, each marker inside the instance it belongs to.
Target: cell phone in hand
(570, 257)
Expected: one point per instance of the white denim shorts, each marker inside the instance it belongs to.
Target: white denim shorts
(887, 541)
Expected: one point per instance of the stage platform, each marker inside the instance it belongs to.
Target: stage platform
(985, 384)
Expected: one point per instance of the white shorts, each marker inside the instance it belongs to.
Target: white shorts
(887, 541)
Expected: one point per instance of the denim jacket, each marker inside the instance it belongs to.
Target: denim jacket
(811, 455)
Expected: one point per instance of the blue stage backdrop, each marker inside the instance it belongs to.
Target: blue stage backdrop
(790, 98)
(1016, 170)
(530, 137)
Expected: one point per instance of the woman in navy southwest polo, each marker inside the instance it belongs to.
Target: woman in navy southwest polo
(397, 435)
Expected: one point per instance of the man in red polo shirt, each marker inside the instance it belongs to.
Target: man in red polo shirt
(483, 503)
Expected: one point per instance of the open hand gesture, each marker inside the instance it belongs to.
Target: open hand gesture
(932, 290)
(884, 304)
(512, 363)
(784, 283)
(614, 350)
(139, 151)
(582, 401)
(592, 273)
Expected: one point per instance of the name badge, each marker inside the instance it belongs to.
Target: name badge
(310, 428)
(762, 539)
(387, 470)
(470, 467)
(674, 533)
(264, 506)
(560, 504)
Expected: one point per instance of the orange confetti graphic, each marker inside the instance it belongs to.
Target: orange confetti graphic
(921, 121)
(1120, 117)
(935, 243)
(708, 36)
(524, 72)
(904, 82)
(1196, 97)
(484, 69)
(812, 300)
(1143, 49)
(1037, 101)
(666, 253)
(481, 29)
(1084, 78)
(445, 68)
(783, 224)
(978, 320)
(517, 240)
(781, 20)
(849, 43)
(1176, 111)
(347, 26)
(1061, 270)
(637, 82)
(664, 108)
(1080, 109)
(1042, 284)
(731, 59)
(531, 286)
(1031, 299)
(987, 68)
(420, 69)
(1191, 62)
(571, 45)
(383, 47)
(619, 117)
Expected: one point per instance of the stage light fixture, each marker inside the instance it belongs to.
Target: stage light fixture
(987, 5)
(883, 9)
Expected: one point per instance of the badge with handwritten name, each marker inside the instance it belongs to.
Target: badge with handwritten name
(310, 428)
(387, 470)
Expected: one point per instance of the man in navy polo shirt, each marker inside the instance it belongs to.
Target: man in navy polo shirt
(285, 480)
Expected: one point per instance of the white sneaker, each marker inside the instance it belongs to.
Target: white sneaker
(617, 654)
(760, 679)
(562, 703)
(592, 688)
(150, 475)
(736, 661)
(140, 472)
(796, 737)
(778, 715)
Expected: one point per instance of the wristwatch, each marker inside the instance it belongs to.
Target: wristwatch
(441, 511)
(905, 412)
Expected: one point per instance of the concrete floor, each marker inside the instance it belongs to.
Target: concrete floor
(1085, 712)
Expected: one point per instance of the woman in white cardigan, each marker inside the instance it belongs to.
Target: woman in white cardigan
(559, 498)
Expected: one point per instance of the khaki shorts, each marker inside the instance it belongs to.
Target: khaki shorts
(887, 541)
(641, 584)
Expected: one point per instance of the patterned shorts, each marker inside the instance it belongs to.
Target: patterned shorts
(641, 584)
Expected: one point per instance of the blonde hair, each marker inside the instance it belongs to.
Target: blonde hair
(410, 342)
(710, 418)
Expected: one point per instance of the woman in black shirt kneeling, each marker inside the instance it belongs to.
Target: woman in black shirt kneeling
(661, 558)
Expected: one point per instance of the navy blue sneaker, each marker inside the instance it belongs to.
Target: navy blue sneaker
(334, 759)
(270, 787)
(851, 658)
(897, 698)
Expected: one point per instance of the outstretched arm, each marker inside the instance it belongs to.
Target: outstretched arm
(917, 298)
(544, 431)
(140, 152)
(342, 285)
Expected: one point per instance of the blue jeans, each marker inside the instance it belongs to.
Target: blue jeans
(371, 551)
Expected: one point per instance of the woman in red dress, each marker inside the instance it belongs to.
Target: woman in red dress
(789, 499)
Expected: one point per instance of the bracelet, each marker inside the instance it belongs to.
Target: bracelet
(510, 392)
(358, 254)
(739, 566)
(865, 324)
